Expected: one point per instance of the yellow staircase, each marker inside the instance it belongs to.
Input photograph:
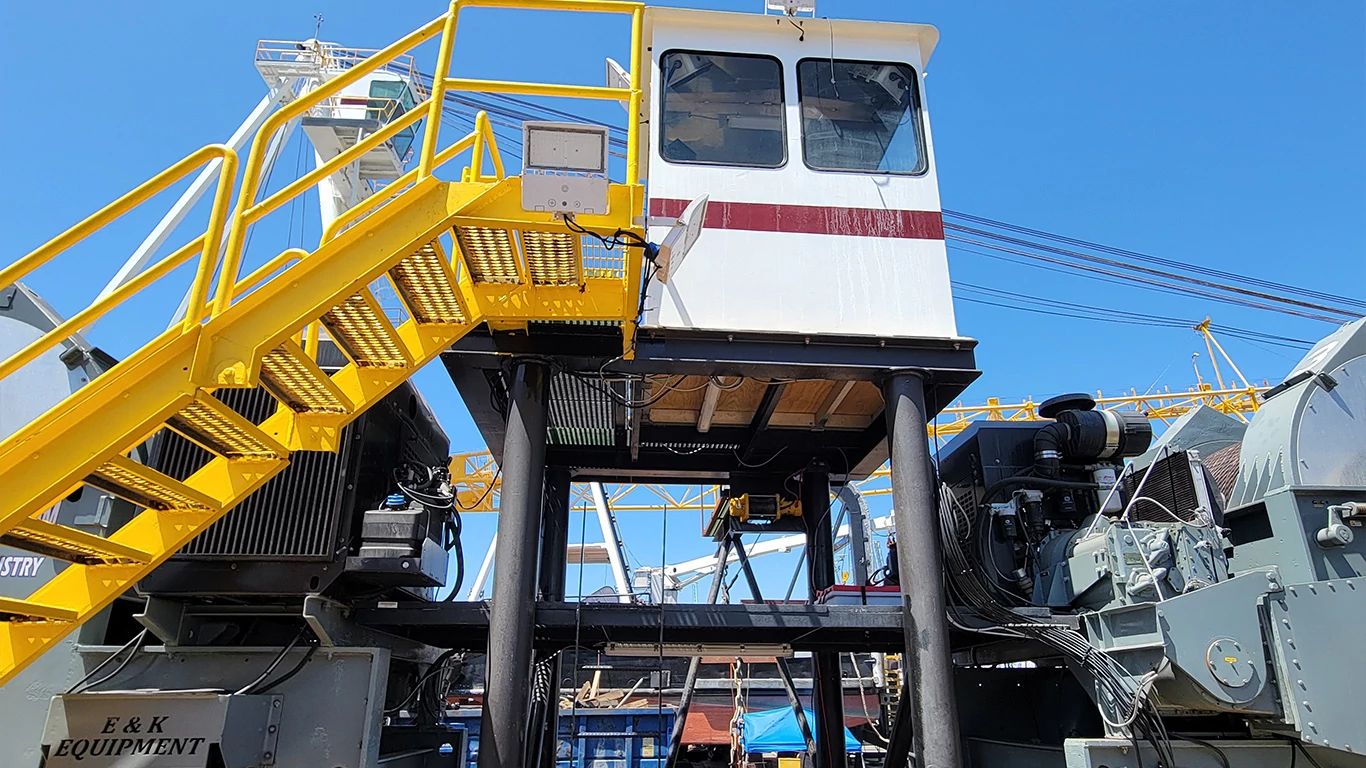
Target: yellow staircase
(505, 267)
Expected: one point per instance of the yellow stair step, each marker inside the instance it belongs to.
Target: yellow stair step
(70, 544)
(489, 253)
(552, 258)
(359, 327)
(146, 487)
(22, 610)
(288, 373)
(426, 283)
(218, 428)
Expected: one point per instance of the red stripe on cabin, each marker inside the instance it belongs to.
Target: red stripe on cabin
(812, 219)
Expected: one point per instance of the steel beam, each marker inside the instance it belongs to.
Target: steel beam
(616, 558)
(512, 621)
(859, 553)
(694, 664)
(784, 673)
(928, 666)
(827, 680)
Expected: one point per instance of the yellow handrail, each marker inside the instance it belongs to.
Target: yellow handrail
(249, 209)
(206, 244)
(246, 200)
(391, 190)
(90, 314)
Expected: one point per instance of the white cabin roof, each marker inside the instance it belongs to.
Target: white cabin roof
(926, 35)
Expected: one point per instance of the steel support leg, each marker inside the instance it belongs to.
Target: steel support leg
(784, 673)
(690, 682)
(827, 682)
(928, 665)
(545, 723)
(513, 614)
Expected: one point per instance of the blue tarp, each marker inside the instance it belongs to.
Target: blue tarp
(776, 730)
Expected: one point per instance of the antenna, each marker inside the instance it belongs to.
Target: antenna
(317, 25)
(681, 238)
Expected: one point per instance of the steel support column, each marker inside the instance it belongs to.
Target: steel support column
(545, 724)
(513, 613)
(827, 683)
(784, 673)
(690, 682)
(928, 665)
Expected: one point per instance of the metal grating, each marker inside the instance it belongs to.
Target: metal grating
(297, 385)
(490, 254)
(64, 544)
(200, 422)
(599, 261)
(422, 281)
(367, 337)
(125, 484)
(552, 258)
(293, 516)
(580, 413)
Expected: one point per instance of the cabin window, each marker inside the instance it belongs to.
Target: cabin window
(722, 109)
(860, 116)
(390, 100)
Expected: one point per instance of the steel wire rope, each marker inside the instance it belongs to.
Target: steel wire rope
(1094, 259)
(1077, 271)
(1194, 291)
(1211, 272)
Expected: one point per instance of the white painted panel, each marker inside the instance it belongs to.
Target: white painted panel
(784, 281)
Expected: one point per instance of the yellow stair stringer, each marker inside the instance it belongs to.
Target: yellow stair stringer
(50, 457)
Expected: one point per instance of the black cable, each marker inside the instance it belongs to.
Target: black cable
(432, 671)
(1041, 482)
(312, 649)
(249, 687)
(131, 647)
(1297, 744)
(498, 473)
(454, 544)
(1223, 757)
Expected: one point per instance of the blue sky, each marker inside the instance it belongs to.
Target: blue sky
(1221, 133)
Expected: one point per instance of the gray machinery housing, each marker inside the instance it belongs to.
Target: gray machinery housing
(1232, 609)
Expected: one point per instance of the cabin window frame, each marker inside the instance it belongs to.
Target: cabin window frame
(917, 118)
(782, 110)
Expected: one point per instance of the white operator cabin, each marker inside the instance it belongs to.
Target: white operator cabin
(812, 140)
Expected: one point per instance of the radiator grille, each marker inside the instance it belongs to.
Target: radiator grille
(1171, 484)
(294, 516)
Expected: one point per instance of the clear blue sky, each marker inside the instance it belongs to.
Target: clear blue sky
(1225, 134)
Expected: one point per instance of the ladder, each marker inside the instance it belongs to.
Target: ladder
(459, 254)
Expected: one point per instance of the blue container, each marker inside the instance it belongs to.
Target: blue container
(597, 738)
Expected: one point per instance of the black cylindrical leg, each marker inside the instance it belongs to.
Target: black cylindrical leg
(827, 681)
(554, 539)
(928, 664)
(513, 614)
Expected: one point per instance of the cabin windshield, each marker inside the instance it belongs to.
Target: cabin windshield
(722, 109)
(860, 116)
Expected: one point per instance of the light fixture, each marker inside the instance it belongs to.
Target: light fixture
(790, 7)
(564, 167)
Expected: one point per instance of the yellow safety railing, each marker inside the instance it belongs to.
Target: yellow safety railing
(442, 81)
(206, 245)
(248, 210)
(395, 187)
